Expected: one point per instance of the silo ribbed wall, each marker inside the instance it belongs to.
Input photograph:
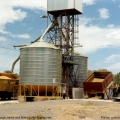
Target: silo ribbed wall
(80, 69)
(40, 66)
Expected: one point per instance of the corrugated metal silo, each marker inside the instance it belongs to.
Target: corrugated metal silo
(80, 69)
(40, 66)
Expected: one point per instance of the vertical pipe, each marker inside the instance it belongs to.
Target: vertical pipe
(75, 30)
(31, 90)
(13, 65)
(53, 90)
(38, 90)
(20, 90)
(67, 82)
(60, 91)
(46, 90)
(72, 37)
(60, 31)
(67, 23)
(24, 89)
(59, 69)
(54, 27)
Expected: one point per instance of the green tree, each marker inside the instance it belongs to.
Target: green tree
(89, 72)
(116, 78)
(7, 71)
(103, 70)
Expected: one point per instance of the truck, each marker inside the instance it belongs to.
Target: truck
(8, 85)
(100, 84)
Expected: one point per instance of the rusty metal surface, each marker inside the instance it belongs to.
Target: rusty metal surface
(8, 82)
(97, 87)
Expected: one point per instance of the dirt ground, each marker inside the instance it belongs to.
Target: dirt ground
(82, 109)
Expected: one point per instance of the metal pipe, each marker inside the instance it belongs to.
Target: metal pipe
(67, 22)
(19, 46)
(72, 37)
(13, 65)
(60, 31)
(52, 25)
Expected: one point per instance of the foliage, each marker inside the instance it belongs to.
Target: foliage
(116, 78)
(89, 72)
(7, 71)
(103, 70)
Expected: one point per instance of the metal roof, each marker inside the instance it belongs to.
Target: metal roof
(42, 44)
(78, 53)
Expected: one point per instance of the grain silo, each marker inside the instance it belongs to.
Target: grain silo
(40, 62)
(79, 70)
(40, 70)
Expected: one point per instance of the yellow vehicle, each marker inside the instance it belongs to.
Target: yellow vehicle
(8, 85)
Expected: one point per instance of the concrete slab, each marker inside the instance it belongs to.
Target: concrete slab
(9, 102)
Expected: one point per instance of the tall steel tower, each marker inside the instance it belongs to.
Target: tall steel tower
(63, 32)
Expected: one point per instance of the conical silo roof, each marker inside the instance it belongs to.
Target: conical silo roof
(42, 44)
(78, 54)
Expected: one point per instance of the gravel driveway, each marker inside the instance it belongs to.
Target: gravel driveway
(84, 109)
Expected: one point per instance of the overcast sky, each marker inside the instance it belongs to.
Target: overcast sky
(99, 31)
